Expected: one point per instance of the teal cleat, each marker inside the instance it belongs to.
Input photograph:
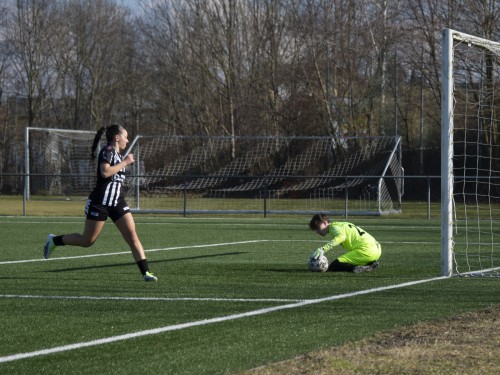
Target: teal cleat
(49, 246)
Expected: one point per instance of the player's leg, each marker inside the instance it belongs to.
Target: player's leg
(368, 260)
(357, 261)
(349, 262)
(96, 215)
(126, 226)
(87, 238)
(338, 266)
(90, 233)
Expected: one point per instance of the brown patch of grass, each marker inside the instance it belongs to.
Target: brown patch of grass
(464, 344)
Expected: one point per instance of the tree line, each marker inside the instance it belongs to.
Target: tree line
(230, 67)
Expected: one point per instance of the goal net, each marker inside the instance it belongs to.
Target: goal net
(470, 150)
(58, 163)
(181, 174)
(242, 175)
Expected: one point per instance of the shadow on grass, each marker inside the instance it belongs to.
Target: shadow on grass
(151, 262)
(289, 270)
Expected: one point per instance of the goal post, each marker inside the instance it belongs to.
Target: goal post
(447, 154)
(470, 155)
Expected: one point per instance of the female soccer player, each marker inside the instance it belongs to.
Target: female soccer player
(107, 199)
(363, 250)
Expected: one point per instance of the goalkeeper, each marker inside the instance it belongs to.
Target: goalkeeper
(363, 251)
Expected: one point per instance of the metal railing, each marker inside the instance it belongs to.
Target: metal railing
(422, 194)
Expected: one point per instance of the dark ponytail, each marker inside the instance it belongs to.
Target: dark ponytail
(111, 132)
(97, 138)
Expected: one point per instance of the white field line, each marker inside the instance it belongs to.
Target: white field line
(203, 322)
(150, 299)
(128, 252)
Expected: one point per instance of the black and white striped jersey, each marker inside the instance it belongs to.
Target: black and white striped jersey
(108, 191)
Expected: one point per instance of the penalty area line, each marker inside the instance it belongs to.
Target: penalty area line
(176, 327)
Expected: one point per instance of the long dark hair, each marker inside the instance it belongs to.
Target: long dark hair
(111, 131)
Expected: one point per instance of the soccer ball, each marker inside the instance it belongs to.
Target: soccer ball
(320, 264)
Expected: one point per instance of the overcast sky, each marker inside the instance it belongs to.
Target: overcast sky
(132, 4)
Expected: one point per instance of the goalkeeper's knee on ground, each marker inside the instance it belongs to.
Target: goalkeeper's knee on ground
(337, 266)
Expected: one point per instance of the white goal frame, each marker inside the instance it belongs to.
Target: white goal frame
(455, 224)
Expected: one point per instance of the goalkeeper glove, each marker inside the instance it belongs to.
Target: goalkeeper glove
(316, 253)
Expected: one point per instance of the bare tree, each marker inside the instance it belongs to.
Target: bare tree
(422, 26)
(4, 49)
(287, 67)
(29, 31)
(95, 59)
(5, 129)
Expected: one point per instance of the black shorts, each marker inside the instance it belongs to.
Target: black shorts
(99, 212)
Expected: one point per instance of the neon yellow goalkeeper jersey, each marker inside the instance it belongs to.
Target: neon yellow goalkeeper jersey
(350, 237)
